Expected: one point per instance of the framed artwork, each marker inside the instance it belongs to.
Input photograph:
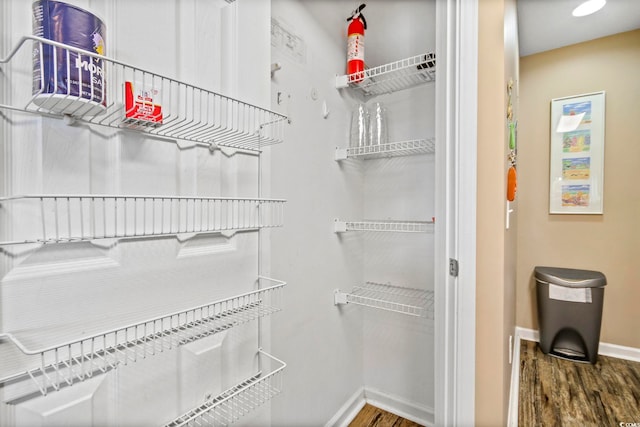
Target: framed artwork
(576, 182)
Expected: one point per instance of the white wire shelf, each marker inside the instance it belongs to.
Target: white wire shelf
(172, 108)
(412, 147)
(410, 301)
(384, 226)
(238, 401)
(395, 76)
(58, 366)
(68, 218)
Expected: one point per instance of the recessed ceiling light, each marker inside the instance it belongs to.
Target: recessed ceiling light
(589, 7)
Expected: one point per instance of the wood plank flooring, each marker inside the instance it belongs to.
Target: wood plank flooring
(370, 416)
(557, 392)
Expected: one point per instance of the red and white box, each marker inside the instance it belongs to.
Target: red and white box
(142, 105)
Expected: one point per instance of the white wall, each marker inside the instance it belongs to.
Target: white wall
(398, 352)
(321, 343)
(335, 351)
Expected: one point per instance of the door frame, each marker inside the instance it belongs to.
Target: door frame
(456, 132)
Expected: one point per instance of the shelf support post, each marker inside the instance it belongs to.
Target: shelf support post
(339, 226)
(341, 154)
(339, 297)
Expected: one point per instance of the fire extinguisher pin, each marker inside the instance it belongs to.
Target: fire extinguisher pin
(358, 14)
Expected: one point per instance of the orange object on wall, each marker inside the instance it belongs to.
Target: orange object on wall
(512, 183)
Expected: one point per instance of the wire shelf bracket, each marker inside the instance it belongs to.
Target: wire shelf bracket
(392, 77)
(177, 111)
(409, 301)
(341, 226)
(239, 400)
(412, 147)
(72, 218)
(74, 361)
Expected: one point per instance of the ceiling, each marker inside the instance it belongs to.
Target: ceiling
(548, 24)
(542, 24)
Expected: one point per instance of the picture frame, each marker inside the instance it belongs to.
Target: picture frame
(576, 160)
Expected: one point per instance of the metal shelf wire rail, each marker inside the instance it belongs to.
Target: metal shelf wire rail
(392, 77)
(67, 218)
(236, 402)
(188, 113)
(410, 301)
(392, 149)
(384, 226)
(78, 360)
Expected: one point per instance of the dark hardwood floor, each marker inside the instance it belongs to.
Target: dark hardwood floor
(370, 416)
(557, 392)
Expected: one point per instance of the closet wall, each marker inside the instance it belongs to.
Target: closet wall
(339, 354)
(326, 342)
(496, 244)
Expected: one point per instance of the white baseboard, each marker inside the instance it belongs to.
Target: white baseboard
(619, 351)
(605, 349)
(410, 410)
(348, 411)
(527, 334)
(512, 416)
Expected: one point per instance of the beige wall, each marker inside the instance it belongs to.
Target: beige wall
(496, 257)
(611, 242)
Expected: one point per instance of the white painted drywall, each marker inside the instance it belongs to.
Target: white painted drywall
(335, 351)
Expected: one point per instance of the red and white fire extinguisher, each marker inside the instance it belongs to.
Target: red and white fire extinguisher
(355, 45)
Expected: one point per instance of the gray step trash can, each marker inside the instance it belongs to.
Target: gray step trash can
(570, 312)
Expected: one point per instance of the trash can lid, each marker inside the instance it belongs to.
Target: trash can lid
(570, 277)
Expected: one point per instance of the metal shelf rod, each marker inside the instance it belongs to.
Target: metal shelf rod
(341, 226)
(24, 39)
(399, 299)
(71, 218)
(391, 77)
(392, 149)
(237, 401)
(188, 112)
(75, 360)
